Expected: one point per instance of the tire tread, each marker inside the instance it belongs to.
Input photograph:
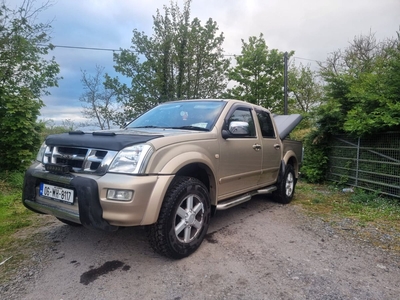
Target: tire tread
(158, 233)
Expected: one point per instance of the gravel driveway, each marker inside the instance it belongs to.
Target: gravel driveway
(260, 250)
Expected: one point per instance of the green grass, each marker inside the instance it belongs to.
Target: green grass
(363, 209)
(330, 200)
(13, 215)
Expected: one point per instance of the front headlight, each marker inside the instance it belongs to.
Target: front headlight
(42, 150)
(132, 159)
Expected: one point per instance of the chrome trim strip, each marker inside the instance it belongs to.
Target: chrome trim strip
(55, 211)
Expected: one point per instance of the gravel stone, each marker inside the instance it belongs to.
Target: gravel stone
(259, 250)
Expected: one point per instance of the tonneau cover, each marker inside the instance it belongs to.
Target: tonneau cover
(286, 123)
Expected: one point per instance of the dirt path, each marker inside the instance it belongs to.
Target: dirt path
(260, 250)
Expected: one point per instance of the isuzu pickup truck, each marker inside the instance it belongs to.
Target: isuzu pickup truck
(168, 170)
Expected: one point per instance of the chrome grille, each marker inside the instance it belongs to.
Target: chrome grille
(81, 160)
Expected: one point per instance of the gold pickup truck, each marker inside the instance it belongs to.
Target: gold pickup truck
(170, 169)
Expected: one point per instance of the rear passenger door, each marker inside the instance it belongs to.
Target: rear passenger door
(272, 148)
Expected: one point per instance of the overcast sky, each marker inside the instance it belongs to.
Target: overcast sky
(312, 28)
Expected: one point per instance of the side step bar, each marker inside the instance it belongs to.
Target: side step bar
(244, 198)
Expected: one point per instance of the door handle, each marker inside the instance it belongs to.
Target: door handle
(277, 146)
(257, 147)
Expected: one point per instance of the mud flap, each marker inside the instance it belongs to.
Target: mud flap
(281, 171)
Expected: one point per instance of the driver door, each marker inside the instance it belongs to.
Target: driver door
(240, 155)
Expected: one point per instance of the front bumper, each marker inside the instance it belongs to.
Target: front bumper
(91, 208)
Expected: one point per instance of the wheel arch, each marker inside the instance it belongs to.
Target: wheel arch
(191, 164)
(203, 173)
(291, 159)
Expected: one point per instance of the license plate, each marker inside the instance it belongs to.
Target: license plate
(56, 192)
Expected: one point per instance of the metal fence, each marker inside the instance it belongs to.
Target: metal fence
(371, 163)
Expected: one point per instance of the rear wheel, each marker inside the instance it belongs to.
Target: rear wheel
(183, 220)
(284, 193)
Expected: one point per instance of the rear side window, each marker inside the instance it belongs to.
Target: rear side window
(267, 129)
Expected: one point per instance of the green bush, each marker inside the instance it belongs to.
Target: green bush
(315, 162)
(20, 139)
(14, 179)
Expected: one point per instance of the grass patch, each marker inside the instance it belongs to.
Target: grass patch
(15, 220)
(330, 200)
(369, 213)
(13, 215)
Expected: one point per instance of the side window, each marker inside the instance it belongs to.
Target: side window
(265, 121)
(244, 115)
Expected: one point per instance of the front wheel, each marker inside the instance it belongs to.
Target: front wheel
(183, 220)
(284, 193)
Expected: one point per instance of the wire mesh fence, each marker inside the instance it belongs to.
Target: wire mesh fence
(371, 163)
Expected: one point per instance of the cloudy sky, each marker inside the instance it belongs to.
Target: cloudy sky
(312, 28)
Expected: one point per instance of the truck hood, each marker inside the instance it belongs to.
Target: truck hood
(115, 140)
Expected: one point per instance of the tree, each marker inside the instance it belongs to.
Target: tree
(361, 87)
(25, 75)
(183, 59)
(305, 91)
(98, 101)
(378, 97)
(258, 75)
(362, 96)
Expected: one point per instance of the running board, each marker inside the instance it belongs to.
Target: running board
(244, 198)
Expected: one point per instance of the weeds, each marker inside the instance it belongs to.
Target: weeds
(330, 199)
(13, 179)
(364, 209)
(13, 215)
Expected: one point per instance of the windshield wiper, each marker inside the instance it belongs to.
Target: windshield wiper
(148, 126)
(188, 127)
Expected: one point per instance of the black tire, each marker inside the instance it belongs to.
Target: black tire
(183, 220)
(284, 193)
(70, 223)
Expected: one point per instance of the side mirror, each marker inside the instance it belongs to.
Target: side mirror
(239, 128)
(236, 128)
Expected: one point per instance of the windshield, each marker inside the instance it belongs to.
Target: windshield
(191, 115)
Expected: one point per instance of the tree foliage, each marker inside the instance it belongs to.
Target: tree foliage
(362, 97)
(98, 101)
(305, 90)
(183, 59)
(362, 87)
(305, 95)
(25, 75)
(258, 75)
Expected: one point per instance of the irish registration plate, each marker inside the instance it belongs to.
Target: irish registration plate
(56, 192)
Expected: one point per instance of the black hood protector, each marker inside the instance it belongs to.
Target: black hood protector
(98, 140)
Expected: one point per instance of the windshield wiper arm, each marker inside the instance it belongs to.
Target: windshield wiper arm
(188, 127)
(148, 126)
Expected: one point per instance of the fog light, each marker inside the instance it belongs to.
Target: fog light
(122, 195)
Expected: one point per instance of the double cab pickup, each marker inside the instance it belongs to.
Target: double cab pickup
(168, 170)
